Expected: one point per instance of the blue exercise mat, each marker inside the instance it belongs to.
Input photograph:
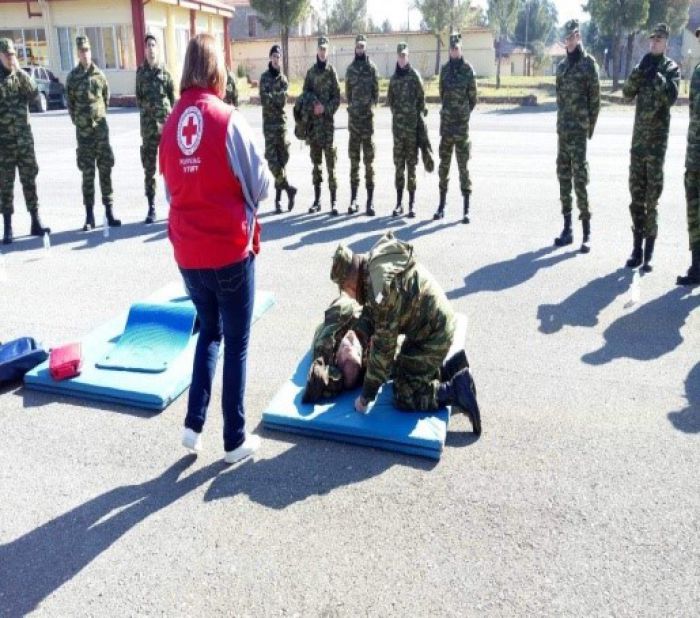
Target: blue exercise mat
(385, 427)
(141, 389)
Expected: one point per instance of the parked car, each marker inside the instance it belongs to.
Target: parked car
(51, 91)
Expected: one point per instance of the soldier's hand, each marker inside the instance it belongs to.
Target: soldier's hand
(361, 404)
(318, 108)
(425, 111)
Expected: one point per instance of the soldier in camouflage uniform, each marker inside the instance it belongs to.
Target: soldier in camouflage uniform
(321, 86)
(406, 99)
(458, 97)
(400, 297)
(155, 97)
(361, 93)
(692, 180)
(654, 82)
(17, 91)
(231, 94)
(87, 92)
(578, 104)
(273, 98)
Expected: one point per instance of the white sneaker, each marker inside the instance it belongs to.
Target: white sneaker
(191, 440)
(249, 446)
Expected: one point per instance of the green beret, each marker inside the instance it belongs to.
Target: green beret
(360, 39)
(323, 41)
(82, 42)
(571, 27)
(455, 40)
(402, 48)
(7, 46)
(342, 263)
(660, 31)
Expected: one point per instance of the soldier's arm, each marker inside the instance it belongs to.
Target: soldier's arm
(593, 99)
(105, 91)
(348, 88)
(139, 91)
(332, 106)
(471, 93)
(28, 86)
(390, 96)
(170, 90)
(234, 92)
(670, 83)
(70, 97)
(420, 93)
(375, 86)
(382, 348)
(631, 86)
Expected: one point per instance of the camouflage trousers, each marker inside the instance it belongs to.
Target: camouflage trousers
(405, 160)
(20, 155)
(94, 149)
(461, 146)
(318, 150)
(150, 139)
(417, 371)
(692, 198)
(361, 141)
(277, 153)
(646, 183)
(572, 164)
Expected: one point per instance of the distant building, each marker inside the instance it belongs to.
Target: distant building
(246, 24)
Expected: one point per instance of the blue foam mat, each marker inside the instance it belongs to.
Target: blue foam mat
(151, 391)
(385, 427)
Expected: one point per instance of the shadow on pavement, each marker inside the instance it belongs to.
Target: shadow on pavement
(688, 419)
(38, 563)
(585, 304)
(649, 332)
(301, 472)
(510, 273)
(525, 109)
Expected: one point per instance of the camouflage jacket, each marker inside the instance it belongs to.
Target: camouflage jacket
(406, 99)
(87, 92)
(321, 84)
(273, 98)
(654, 82)
(401, 298)
(155, 92)
(578, 94)
(692, 154)
(231, 94)
(17, 91)
(458, 97)
(361, 87)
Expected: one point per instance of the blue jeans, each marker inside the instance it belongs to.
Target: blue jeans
(224, 300)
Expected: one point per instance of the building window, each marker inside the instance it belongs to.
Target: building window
(252, 26)
(182, 39)
(112, 46)
(30, 43)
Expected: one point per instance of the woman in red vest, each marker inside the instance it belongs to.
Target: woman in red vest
(215, 179)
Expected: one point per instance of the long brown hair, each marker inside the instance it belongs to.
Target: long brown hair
(204, 65)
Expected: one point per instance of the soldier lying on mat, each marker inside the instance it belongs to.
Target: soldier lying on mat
(338, 350)
(401, 297)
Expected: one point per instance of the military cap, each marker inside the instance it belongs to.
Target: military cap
(402, 48)
(660, 31)
(323, 41)
(455, 40)
(150, 36)
(275, 49)
(7, 46)
(361, 39)
(571, 27)
(82, 42)
(342, 263)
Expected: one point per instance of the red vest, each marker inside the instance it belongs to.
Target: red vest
(207, 225)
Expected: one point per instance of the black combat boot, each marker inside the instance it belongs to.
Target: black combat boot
(635, 259)
(453, 365)
(369, 208)
(7, 236)
(278, 197)
(440, 212)
(566, 237)
(109, 214)
(411, 204)
(316, 206)
(291, 194)
(648, 254)
(334, 205)
(465, 215)
(460, 393)
(693, 275)
(89, 218)
(398, 211)
(37, 228)
(353, 208)
(586, 243)
(151, 214)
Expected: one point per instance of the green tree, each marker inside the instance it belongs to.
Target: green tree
(537, 21)
(503, 15)
(347, 17)
(442, 17)
(673, 12)
(285, 14)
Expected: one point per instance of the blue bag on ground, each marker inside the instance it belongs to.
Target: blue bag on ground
(19, 356)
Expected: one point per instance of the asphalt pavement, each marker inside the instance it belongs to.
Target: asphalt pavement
(580, 497)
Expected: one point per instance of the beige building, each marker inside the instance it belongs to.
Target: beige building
(44, 32)
(477, 45)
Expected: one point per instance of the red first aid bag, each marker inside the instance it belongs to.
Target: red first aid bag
(65, 362)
